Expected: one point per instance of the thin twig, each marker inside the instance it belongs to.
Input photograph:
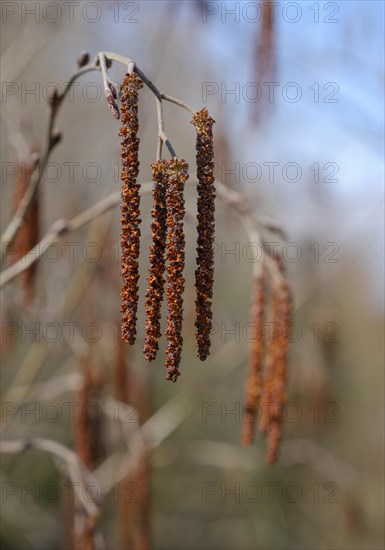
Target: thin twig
(18, 218)
(78, 473)
(253, 229)
(178, 102)
(99, 64)
(103, 67)
(158, 96)
(166, 420)
(162, 138)
(60, 227)
(39, 350)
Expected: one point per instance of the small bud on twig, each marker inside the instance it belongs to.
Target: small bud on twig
(112, 104)
(112, 87)
(52, 95)
(60, 226)
(55, 137)
(108, 62)
(83, 59)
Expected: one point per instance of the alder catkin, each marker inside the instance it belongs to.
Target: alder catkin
(120, 373)
(89, 429)
(178, 175)
(254, 380)
(27, 236)
(156, 275)
(204, 274)
(130, 211)
(274, 384)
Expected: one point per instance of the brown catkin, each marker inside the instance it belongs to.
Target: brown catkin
(141, 477)
(274, 384)
(264, 56)
(120, 373)
(254, 380)
(204, 274)
(142, 481)
(133, 514)
(27, 235)
(123, 391)
(178, 175)
(130, 212)
(265, 48)
(84, 525)
(88, 429)
(156, 274)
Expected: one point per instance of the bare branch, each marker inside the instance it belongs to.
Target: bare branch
(253, 229)
(166, 420)
(61, 227)
(77, 472)
(99, 64)
(17, 220)
(178, 102)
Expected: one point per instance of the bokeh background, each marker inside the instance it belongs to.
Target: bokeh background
(298, 104)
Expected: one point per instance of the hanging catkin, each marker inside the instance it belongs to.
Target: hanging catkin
(130, 212)
(27, 235)
(204, 274)
(178, 175)
(254, 380)
(156, 275)
(274, 384)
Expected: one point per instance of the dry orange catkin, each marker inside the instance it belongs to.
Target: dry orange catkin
(130, 211)
(120, 374)
(27, 235)
(254, 380)
(88, 427)
(88, 445)
(156, 275)
(265, 48)
(204, 274)
(178, 175)
(122, 391)
(274, 384)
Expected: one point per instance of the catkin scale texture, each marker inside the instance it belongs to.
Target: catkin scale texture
(178, 175)
(254, 380)
(204, 274)
(157, 260)
(275, 380)
(130, 207)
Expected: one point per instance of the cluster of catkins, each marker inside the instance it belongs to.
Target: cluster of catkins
(266, 384)
(167, 250)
